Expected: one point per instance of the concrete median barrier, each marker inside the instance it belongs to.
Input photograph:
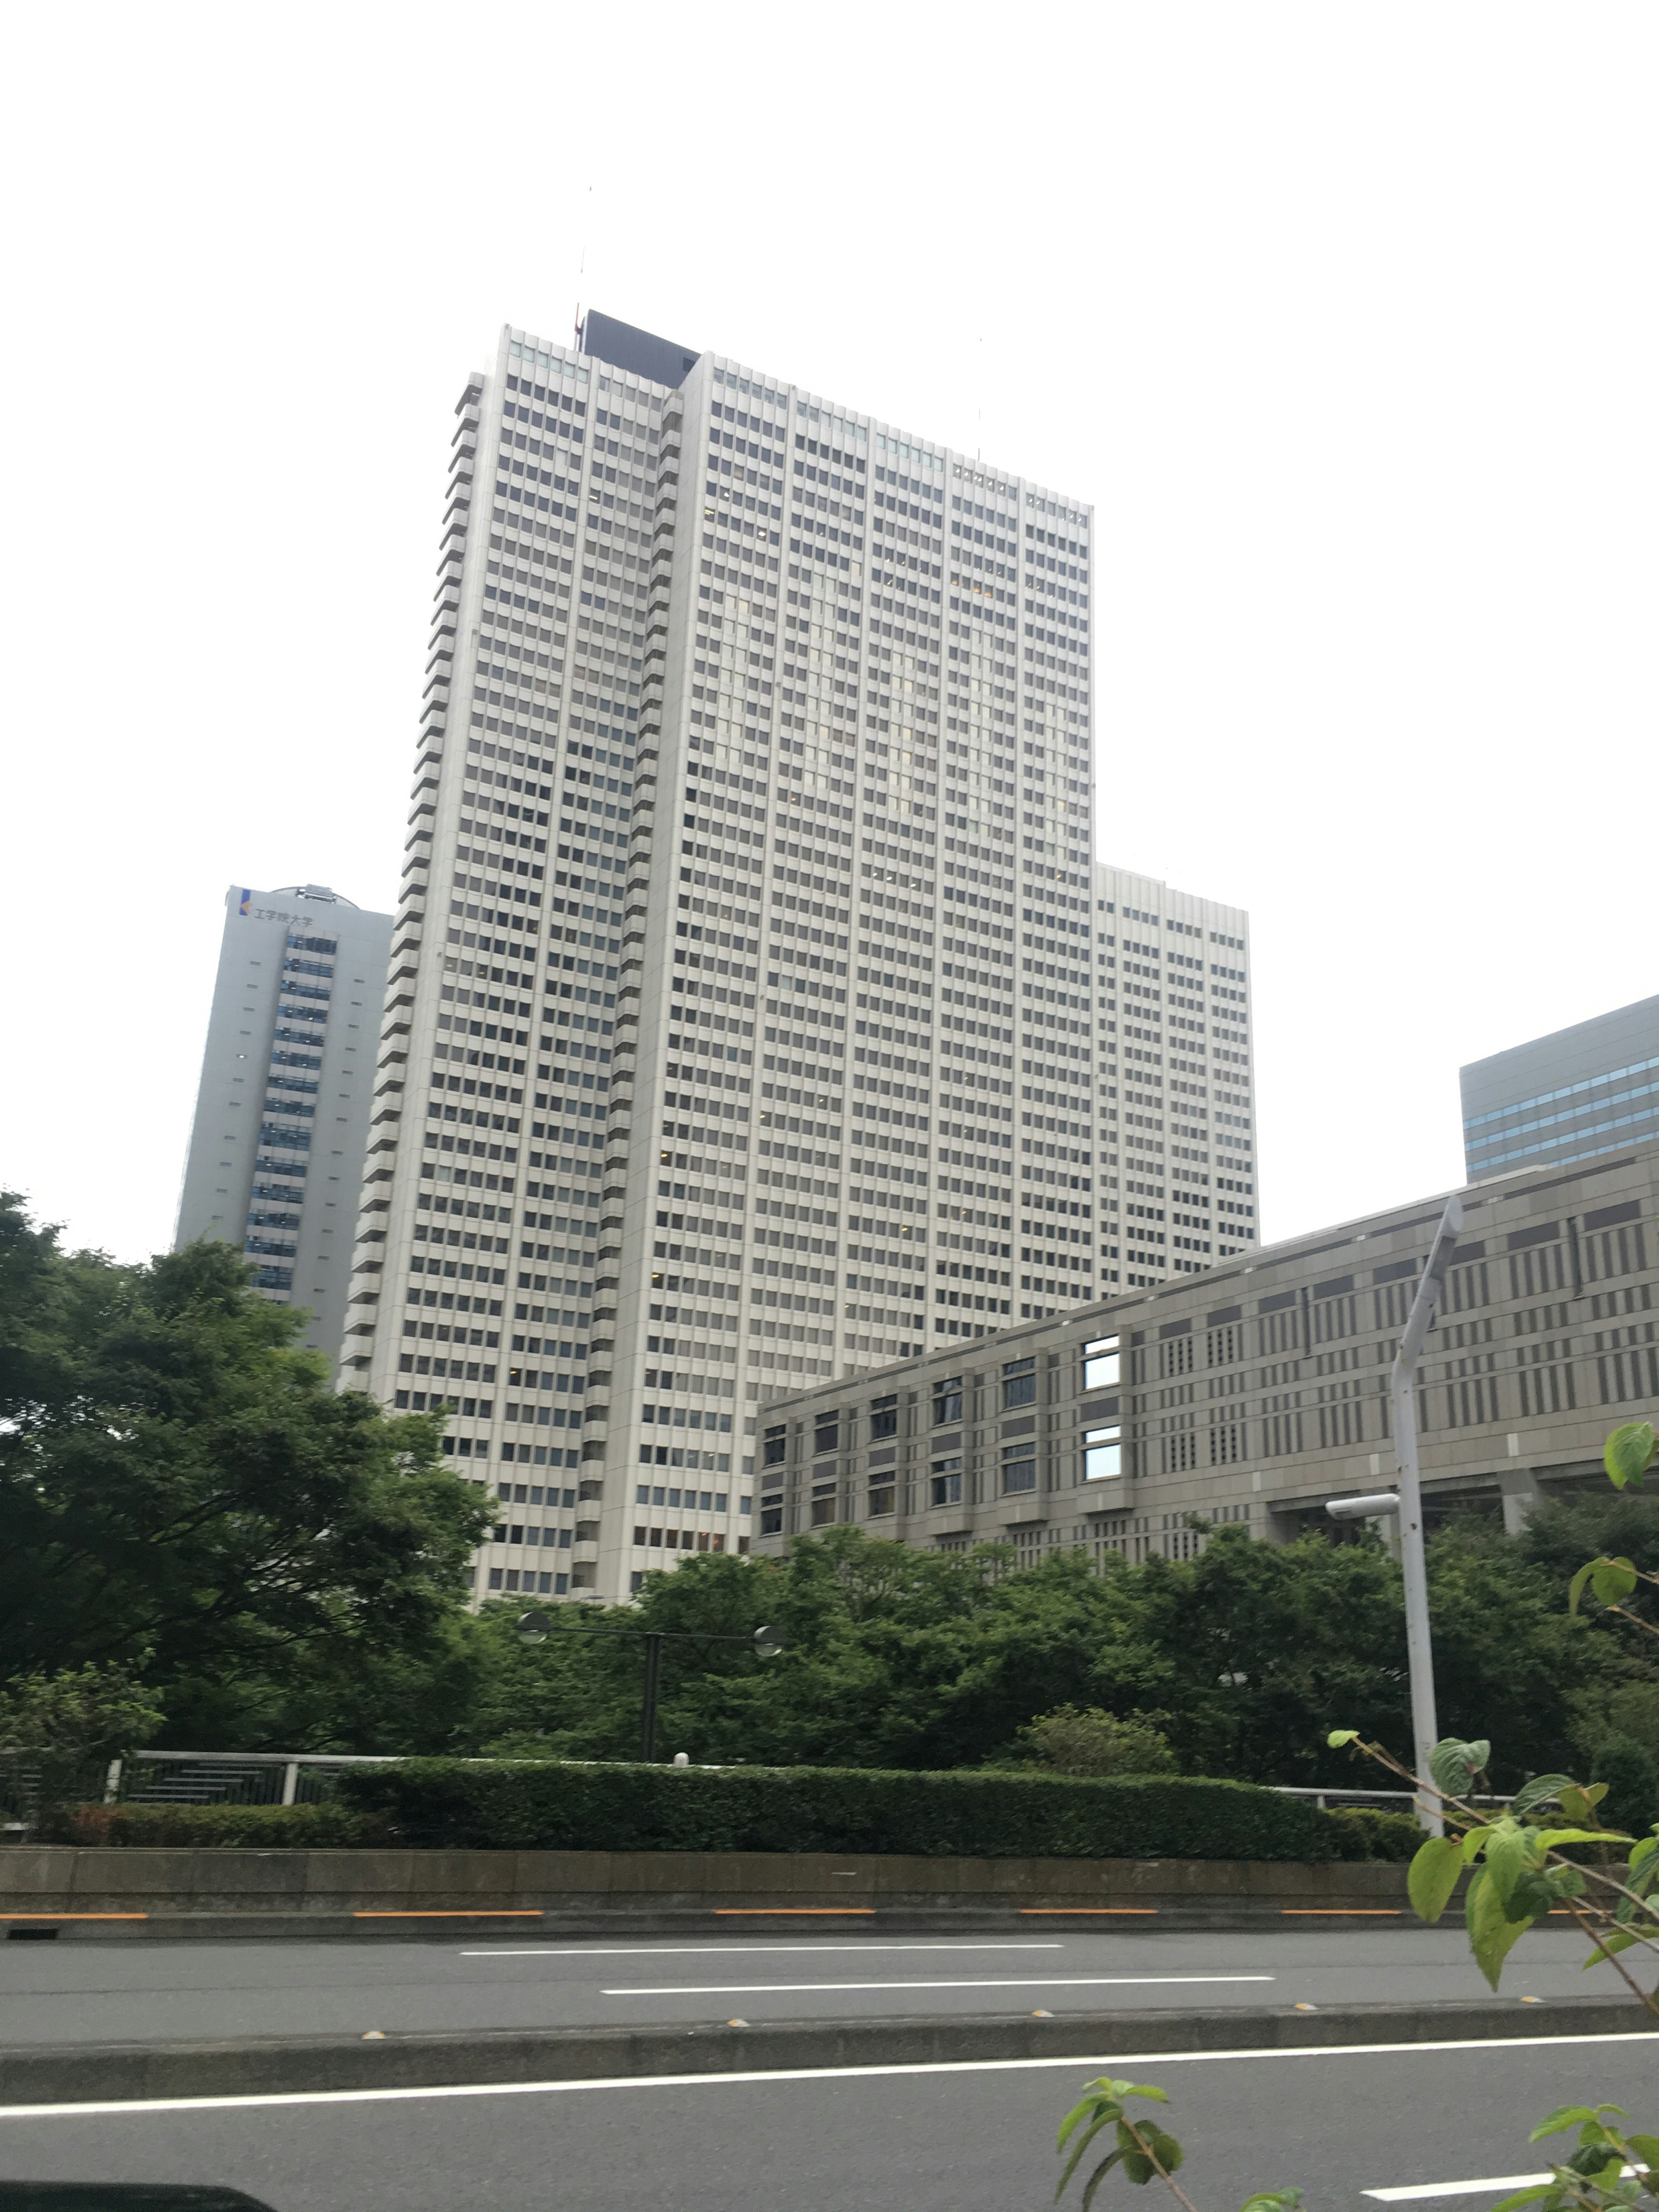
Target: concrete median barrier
(323, 2063)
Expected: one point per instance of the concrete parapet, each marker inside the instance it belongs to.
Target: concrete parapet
(370, 1890)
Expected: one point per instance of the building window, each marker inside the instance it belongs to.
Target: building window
(1018, 1468)
(1100, 1364)
(1103, 1453)
(947, 1401)
(881, 1499)
(826, 1434)
(945, 1482)
(883, 1418)
(1019, 1383)
(771, 1516)
(773, 1445)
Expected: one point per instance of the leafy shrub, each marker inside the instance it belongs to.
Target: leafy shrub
(1068, 1741)
(222, 1828)
(1365, 1832)
(965, 1814)
(1632, 1778)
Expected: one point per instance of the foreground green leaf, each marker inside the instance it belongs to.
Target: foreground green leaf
(1535, 1792)
(1628, 1453)
(1454, 1764)
(1510, 1855)
(1613, 1580)
(1615, 1939)
(1552, 1837)
(1433, 1876)
(1493, 1935)
(1161, 2150)
(1579, 1802)
(1570, 2116)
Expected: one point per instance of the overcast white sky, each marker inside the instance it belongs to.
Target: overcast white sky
(1344, 318)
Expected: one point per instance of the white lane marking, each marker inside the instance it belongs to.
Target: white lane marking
(137, 2107)
(723, 1950)
(1418, 2192)
(1046, 1981)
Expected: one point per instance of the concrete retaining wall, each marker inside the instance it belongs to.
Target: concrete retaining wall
(390, 1892)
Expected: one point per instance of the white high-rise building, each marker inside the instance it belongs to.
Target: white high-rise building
(276, 1157)
(1177, 1138)
(754, 771)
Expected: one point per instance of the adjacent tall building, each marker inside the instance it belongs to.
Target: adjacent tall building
(1575, 1094)
(275, 1155)
(1177, 1167)
(750, 830)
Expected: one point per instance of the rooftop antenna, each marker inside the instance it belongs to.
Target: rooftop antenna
(581, 264)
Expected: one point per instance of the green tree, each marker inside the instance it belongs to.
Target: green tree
(59, 1732)
(179, 1480)
(899, 1657)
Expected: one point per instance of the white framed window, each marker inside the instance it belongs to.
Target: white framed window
(1103, 1453)
(1100, 1364)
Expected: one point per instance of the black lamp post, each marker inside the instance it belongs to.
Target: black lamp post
(535, 1628)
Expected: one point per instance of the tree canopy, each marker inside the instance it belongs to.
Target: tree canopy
(183, 1496)
(1247, 1655)
(182, 1488)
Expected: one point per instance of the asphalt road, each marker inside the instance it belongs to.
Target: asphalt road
(1342, 2124)
(119, 1992)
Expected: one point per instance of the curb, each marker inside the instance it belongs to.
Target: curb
(128, 2072)
(393, 1925)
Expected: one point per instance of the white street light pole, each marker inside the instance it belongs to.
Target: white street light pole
(1419, 1649)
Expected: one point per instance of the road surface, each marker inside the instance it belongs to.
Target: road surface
(125, 1992)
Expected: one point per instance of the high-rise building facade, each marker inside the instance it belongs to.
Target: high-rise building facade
(1575, 1094)
(275, 1157)
(1177, 1135)
(757, 735)
(755, 769)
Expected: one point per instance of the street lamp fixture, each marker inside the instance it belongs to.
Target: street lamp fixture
(535, 1628)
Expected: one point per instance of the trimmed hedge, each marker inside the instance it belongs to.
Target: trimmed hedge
(1365, 1832)
(969, 1815)
(330, 1826)
(547, 1806)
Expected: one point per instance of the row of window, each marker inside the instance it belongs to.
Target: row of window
(1103, 1460)
(1101, 1372)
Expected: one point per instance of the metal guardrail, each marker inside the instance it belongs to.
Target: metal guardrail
(1381, 1798)
(220, 1777)
(182, 1777)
